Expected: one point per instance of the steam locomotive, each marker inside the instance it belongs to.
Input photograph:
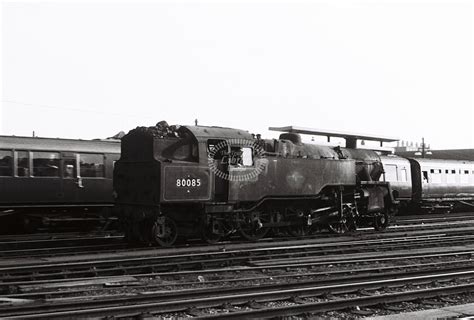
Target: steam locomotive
(204, 181)
(46, 180)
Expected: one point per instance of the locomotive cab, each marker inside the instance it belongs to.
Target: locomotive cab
(167, 176)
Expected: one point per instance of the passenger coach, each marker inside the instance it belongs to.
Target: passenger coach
(43, 176)
(430, 184)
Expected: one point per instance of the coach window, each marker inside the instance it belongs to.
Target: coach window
(6, 163)
(46, 164)
(69, 168)
(450, 176)
(425, 176)
(390, 172)
(403, 175)
(435, 175)
(465, 177)
(91, 165)
(22, 164)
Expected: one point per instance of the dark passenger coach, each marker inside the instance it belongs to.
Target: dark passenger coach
(46, 177)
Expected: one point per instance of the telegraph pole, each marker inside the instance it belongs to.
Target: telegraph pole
(423, 151)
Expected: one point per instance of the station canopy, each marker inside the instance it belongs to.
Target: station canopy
(351, 138)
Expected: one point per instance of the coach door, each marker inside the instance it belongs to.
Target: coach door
(70, 178)
(45, 184)
(91, 181)
(218, 156)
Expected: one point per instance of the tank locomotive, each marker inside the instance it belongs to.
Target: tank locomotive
(204, 181)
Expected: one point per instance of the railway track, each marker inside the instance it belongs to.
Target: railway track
(435, 219)
(177, 258)
(49, 245)
(366, 289)
(39, 245)
(251, 279)
(42, 240)
(264, 273)
(190, 259)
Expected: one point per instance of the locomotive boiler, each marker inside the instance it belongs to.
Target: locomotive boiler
(211, 182)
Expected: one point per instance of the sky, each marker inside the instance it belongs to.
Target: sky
(91, 69)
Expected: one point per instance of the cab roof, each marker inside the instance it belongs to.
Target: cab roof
(204, 133)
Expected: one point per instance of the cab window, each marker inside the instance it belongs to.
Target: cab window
(247, 157)
(182, 150)
(241, 156)
(217, 149)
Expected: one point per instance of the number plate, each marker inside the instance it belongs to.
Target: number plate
(186, 183)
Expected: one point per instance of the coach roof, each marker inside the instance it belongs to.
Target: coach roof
(58, 144)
